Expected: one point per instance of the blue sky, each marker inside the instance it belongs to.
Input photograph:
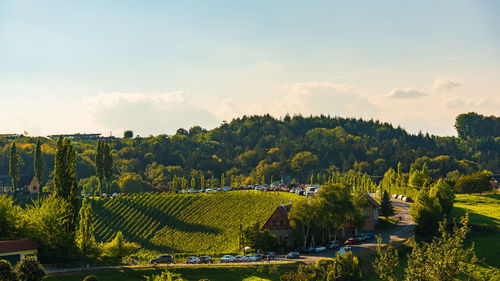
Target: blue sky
(155, 66)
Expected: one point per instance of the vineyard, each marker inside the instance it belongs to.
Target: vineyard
(188, 223)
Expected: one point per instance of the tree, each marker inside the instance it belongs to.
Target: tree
(334, 202)
(426, 213)
(347, 268)
(193, 183)
(119, 248)
(476, 182)
(30, 269)
(444, 258)
(7, 273)
(302, 216)
(85, 236)
(65, 184)
(14, 166)
(133, 183)
(444, 194)
(386, 208)
(303, 162)
(387, 262)
(38, 163)
(10, 218)
(257, 238)
(128, 134)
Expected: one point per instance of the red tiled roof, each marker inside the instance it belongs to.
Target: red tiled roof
(17, 245)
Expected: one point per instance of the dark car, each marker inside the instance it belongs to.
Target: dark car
(293, 255)
(269, 256)
(369, 235)
(350, 241)
(162, 259)
(206, 259)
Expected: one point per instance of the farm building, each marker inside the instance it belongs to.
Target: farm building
(278, 222)
(16, 250)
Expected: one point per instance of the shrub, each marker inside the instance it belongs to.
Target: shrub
(30, 269)
(7, 273)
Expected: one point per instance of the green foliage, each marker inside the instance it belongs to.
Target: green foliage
(386, 208)
(30, 269)
(133, 183)
(303, 273)
(426, 213)
(90, 278)
(11, 223)
(476, 182)
(473, 125)
(445, 195)
(387, 262)
(303, 162)
(128, 134)
(201, 223)
(85, 235)
(260, 239)
(166, 276)
(14, 166)
(7, 273)
(302, 217)
(118, 248)
(348, 267)
(38, 163)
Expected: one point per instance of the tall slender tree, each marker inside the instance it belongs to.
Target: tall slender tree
(14, 166)
(107, 163)
(85, 236)
(99, 163)
(386, 208)
(39, 165)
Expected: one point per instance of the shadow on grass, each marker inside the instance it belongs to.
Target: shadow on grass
(476, 219)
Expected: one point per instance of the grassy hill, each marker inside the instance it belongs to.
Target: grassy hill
(198, 223)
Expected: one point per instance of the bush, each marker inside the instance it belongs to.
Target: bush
(91, 278)
(30, 269)
(7, 273)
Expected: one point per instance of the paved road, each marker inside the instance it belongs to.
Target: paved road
(401, 231)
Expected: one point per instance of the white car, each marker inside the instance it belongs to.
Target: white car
(249, 258)
(320, 249)
(333, 244)
(208, 191)
(227, 259)
(344, 250)
(193, 260)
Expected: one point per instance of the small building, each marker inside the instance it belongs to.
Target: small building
(6, 184)
(15, 251)
(371, 214)
(34, 186)
(278, 223)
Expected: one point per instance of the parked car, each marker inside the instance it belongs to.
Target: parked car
(404, 198)
(394, 196)
(344, 250)
(269, 256)
(193, 260)
(162, 259)
(361, 237)
(320, 249)
(350, 241)
(400, 197)
(369, 235)
(209, 190)
(408, 199)
(227, 188)
(227, 259)
(206, 259)
(249, 258)
(333, 244)
(293, 255)
(238, 259)
(258, 256)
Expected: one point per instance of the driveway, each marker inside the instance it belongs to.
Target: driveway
(401, 231)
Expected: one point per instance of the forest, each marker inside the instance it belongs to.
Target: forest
(263, 149)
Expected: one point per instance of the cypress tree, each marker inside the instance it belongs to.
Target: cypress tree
(14, 166)
(38, 163)
(386, 208)
(85, 237)
(107, 164)
(99, 167)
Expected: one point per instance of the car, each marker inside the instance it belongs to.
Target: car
(408, 199)
(320, 249)
(249, 258)
(193, 260)
(206, 259)
(369, 235)
(394, 196)
(238, 258)
(400, 197)
(104, 195)
(209, 190)
(115, 194)
(162, 259)
(404, 198)
(293, 255)
(258, 256)
(227, 259)
(227, 188)
(269, 256)
(350, 241)
(344, 250)
(361, 237)
(196, 191)
(333, 244)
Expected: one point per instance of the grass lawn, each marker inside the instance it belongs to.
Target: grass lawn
(484, 209)
(216, 273)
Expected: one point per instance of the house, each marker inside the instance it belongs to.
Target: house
(34, 186)
(278, 223)
(371, 214)
(15, 251)
(6, 184)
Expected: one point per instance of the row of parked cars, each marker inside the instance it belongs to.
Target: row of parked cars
(248, 258)
(402, 197)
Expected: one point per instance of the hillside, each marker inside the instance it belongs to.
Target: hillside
(201, 223)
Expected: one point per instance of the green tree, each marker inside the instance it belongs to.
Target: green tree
(119, 248)
(11, 223)
(7, 273)
(386, 208)
(193, 183)
(128, 134)
(445, 195)
(426, 213)
(202, 182)
(107, 165)
(302, 217)
(30, 269)
(347, 268)
(14, 166)
(303, 162)
(387, 262)
(85, 235)
(38, 163)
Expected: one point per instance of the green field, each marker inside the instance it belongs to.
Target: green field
(189, 223)
(484, 209)
(215, 273)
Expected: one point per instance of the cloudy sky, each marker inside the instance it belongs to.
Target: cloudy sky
(155, 66)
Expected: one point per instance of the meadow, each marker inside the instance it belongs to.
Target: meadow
(186, 223)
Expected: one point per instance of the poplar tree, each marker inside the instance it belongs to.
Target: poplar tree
(107, 163)
(38, 163)
(85, 236)
(65, 183)
(99, 163)
(14, 166)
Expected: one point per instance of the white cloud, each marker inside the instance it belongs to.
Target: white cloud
(405, 94)
(147, 113)
(445, 84)
(477, 104)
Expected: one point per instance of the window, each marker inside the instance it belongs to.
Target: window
(366, 213)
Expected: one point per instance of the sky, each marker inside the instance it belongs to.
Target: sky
(156, 66)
